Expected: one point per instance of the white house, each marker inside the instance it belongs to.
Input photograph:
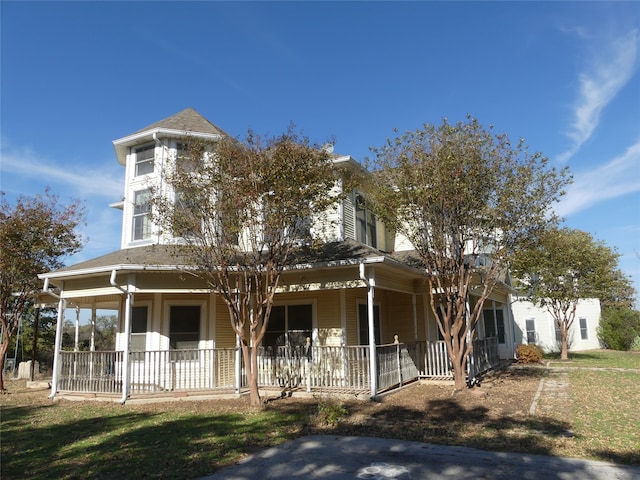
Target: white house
(535, 325)
(179, 337)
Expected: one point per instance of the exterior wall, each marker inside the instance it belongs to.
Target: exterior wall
(545, 325)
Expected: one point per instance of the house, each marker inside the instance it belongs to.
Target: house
(535, 325)
(180, 339)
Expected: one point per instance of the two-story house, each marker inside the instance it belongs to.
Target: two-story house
(180, 338)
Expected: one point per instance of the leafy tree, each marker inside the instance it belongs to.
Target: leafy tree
(565, 266)
(467, 199)
(241, 209)
(619, 327)
(35, 234)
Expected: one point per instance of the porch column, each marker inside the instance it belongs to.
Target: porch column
(75, 342)
(415, 317)
(128, 305)
(56, 348)
(92, 344)
(370, 282)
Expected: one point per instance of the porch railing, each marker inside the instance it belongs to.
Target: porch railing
(312, 368)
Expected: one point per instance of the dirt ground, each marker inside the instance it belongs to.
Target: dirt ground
(494, 415)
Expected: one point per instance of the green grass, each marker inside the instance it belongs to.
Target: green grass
(597, 359)
(98, 440)
(606, 410)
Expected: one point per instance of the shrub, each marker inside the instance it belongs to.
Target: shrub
(635, 345)
(330, 411)
(619, 327)
(529, 353)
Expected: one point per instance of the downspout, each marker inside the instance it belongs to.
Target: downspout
(127, 333)
(373, 371)
(58, 339)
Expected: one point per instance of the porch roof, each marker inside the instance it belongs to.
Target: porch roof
(167, 258)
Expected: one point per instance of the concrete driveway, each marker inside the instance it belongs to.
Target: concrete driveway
(336, 457)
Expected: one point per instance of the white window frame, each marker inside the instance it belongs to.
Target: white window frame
(144, 229)
(144, 161)
(296, 302)
(370, 222)
(584, 330)
(185, 303)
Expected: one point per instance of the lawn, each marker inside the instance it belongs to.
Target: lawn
(190, 439)
(597, 359)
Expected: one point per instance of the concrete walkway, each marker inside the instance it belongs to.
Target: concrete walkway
(341, 458)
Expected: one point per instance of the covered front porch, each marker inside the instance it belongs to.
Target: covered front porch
(311, 369)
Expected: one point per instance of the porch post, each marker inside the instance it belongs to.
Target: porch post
(127, 336)
(56, 348)
(370, 282)
(415, 317)
(92, 344)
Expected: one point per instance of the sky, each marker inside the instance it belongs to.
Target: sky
(74, 76)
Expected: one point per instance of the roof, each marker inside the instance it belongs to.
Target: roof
(188, 121)
(167, 258)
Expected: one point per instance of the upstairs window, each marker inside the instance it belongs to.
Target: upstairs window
(145, 157)
(141, 209)
(365, 223)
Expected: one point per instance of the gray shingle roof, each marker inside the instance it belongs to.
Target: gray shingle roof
(187, 120)
(348, 251)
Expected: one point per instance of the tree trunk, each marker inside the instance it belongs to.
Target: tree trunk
(459, 374)
(4, 346)
(564, 344)
(250, 356)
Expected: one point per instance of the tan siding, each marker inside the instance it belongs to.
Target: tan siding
(225, 337)
(328, 316)
(400, 319)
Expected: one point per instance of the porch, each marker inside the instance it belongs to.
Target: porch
(340, 370)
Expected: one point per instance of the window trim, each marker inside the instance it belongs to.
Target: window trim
(584, 331)
(144, 216)
(297, 302)
(533, 331)
(146, 305)
(370, 222)
(144, 161)
(202, 334)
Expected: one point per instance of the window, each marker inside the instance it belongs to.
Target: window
(584, 332)
(184, 329)
(145, 157)
(188, 157)
(289, 325)
(489, 323)
(138, 329)
(531, 330)
(365, 223)
(363, 324)
(141, 223)
(500, 326)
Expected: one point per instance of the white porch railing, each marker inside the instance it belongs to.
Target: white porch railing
(310, 368)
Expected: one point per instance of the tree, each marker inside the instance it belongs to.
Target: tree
(241, 208)
(35, 235)
(467, 199)
(565, 266)
(619, 327)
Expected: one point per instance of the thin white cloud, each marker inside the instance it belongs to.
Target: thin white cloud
(610, 70)
(616, 178)
(78, 180)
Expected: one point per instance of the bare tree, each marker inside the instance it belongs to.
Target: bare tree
(467, 199)
(240, 209)
(35, 235)
(566, 266)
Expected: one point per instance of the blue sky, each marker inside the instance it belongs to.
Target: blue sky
(563, 76)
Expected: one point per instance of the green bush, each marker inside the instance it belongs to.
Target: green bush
(529, 353)
(330, 411)
(619, 327)
(635, 345)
